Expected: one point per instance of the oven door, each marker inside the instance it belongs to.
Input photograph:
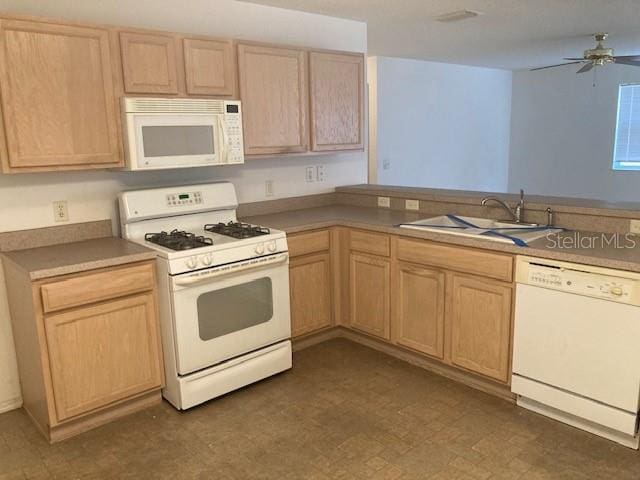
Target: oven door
(224, 312)
(157, 141)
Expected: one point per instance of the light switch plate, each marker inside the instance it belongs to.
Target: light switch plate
(384, 202)
(634, 227)
(412, 204)
(310, 174)
(268, 188)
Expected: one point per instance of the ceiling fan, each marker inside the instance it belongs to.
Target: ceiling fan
(598, 56)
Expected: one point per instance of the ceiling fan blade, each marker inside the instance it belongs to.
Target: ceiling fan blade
(553, 66)
(628, 57)
(586, 68)
(623, 61)
(581, 58)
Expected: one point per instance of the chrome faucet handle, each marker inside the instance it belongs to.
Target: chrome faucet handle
(549, 217)
(520, 207)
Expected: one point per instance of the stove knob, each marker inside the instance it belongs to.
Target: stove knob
(192, 262)
(272, 246)
(259, 248)
(617, 291)
(206, 259)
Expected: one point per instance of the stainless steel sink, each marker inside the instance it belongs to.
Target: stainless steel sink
(482, 228)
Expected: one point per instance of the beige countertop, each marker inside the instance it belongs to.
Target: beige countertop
(73, 257)
(604, 250)
(539, 202)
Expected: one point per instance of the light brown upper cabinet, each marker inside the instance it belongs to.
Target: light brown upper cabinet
(58, 100)
(273, 90)
(337, 101)
(210, 67)
(480, 320)
(419, 313)
(149, 63)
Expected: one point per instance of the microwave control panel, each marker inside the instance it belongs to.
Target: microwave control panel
(233, 128)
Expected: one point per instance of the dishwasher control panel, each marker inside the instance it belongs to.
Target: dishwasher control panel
(579, 280)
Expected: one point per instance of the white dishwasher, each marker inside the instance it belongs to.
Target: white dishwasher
(576, 351)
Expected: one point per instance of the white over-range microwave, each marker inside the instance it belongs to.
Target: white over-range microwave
(161, 133)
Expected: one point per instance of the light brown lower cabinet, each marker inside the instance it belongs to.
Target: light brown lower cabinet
(369, 294)
(310, 286)
(456, 310)
(480, 322)
(103, 353)
(87, 344)
(419, 294)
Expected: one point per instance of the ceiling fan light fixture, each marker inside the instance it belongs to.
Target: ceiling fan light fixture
(457, 16)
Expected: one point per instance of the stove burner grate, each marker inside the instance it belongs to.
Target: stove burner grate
(237, 229)
(178, 240)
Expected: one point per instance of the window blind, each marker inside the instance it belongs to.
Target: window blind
(626, 155)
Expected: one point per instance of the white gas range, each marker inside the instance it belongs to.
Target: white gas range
(223, 289)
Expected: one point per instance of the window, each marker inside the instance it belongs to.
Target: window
(626, 153)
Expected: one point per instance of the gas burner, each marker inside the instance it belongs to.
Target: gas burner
(237, 229)
(178, 240)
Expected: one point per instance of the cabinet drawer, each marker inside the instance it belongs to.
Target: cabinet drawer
(305, 243)
(374, 243)
(98, 286)
(493, 265)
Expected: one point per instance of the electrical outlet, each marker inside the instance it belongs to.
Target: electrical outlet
(634, 227)
(310, 174)
(268, 188)
(386, 164)
(384, 202)
(320, 173)
(60, 211)
(412, 204)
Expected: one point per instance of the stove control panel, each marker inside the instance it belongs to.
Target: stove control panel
(186, 198)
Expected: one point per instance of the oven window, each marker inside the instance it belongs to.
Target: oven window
(177, 140)
(234, 308)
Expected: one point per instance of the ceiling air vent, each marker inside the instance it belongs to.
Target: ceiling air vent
(457, 16)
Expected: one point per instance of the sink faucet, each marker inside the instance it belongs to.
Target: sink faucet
(516, 214)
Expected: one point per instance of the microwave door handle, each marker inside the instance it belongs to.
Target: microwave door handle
(231, 270)
(224, 138)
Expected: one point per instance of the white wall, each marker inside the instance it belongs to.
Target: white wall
(25, 200)
(562, 133)
(441, 125)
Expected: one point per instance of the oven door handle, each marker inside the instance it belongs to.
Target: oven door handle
(224, 270)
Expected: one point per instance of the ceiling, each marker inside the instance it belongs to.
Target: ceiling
(511, 34)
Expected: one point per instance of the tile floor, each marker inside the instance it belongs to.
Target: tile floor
(343, 412)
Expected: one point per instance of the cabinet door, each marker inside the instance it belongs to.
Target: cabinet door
(480, 321)
(149, 63)
(370, 294)
(273, 90)
(310, 284)
(420, 309)
(58, 97)
(209, 67)
(337, 101)
(103, 353)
